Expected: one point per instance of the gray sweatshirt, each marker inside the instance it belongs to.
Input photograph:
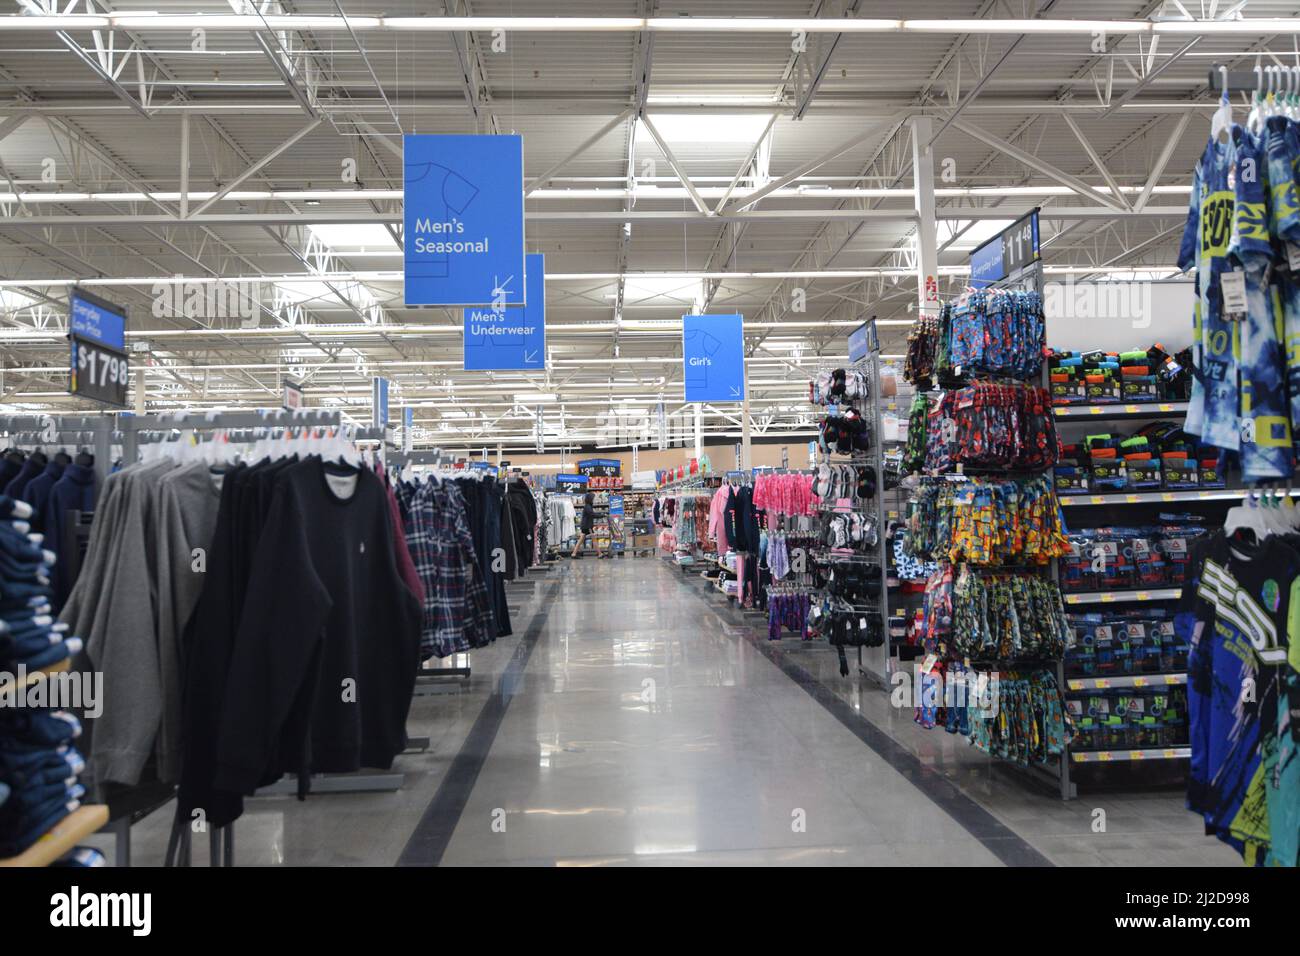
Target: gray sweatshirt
(121, 641)
(188, 500)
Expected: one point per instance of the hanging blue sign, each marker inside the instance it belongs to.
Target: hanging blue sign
(863, 341)
(713, 358)
(99, 321)
(498, 339)
(463, 219)
(1006, 253)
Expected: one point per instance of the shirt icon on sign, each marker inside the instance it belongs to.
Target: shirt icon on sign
(699, 344)
(456, 193)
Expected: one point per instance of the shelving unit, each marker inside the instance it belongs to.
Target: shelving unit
(1089, 510)
(1121, 410)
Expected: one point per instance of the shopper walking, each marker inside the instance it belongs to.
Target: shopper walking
(585, 525)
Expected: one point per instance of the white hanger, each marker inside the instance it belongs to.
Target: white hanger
(1246, 516)
(1221, 123)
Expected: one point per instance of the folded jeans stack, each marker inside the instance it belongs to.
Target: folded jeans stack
(38, 763)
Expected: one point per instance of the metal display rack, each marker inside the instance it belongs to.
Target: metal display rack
(1097, 510)
(874, 663)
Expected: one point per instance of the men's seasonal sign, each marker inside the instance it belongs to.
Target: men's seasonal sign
(463, 216)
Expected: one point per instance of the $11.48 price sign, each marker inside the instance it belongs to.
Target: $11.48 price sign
(98, 372)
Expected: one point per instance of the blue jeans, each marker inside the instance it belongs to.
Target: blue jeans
(17, 836)
(47, 727)
(51, 654)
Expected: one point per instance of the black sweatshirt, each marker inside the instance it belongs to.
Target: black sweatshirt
(324, 662)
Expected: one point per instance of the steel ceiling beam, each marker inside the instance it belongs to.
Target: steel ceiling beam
(255, 168)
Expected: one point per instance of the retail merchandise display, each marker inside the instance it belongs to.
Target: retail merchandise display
(994, 427)
(39, 757)
(986, 521)
(1240, 239)
(1238, 615)
(1157, 455)
(307, 539)
(1102, 378)
(997, 332)
(849, 604)
(1119, 558)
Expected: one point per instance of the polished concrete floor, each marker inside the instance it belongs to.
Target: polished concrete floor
(636, 719)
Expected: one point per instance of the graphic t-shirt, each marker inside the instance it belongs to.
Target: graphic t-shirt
(1242, 609)
(1283, 139)
(1213, 410)
(1266, 451)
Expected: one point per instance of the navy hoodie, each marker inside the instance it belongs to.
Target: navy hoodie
(32, 467)
(74, 491)
(38, 492)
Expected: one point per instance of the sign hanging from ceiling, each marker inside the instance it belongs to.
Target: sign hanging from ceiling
(863, 341)
(713, 358)
(511, 340)
(98, 361)
(463, 219)
(1006, 253)
(379, 402)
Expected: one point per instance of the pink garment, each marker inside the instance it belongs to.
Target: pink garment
(717, 518)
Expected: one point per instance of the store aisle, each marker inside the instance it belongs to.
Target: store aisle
(644, 730)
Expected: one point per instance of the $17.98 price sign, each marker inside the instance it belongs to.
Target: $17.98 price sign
(99, 372)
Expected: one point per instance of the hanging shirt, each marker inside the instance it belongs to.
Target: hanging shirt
(323, 665)
(1241, 608)
(1212, 412)
(1266, 452)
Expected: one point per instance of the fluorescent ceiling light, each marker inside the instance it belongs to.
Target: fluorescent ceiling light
(526, 397)
(718, 128)
(353, 236)
(980, 232)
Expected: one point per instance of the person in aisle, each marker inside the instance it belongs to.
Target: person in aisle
(586, 526)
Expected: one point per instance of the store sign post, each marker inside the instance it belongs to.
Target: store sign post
(97, 331)
(463, 219)
(510, 340)
(1006, 253)
(713, 358)
(408, 428)
(379, 402)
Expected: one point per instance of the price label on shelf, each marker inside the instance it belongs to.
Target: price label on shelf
(1107, 598)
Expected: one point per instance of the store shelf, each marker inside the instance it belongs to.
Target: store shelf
(1107, 756)
(1121, 410)
(1156, 497)
(1124, 680)
(73, 828)
(1115, 597)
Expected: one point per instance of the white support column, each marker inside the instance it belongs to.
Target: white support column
(746, 444)
(927, 257)
(699, 429)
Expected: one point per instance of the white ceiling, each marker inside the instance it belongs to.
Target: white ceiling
(852, 252)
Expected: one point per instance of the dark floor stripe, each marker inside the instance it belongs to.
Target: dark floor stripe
(433, 833)
(993, 835)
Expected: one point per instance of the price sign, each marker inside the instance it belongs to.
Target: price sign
(99, 372)
(1020, 244)
(1006, 253)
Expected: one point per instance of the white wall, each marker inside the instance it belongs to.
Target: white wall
(1117, 316)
